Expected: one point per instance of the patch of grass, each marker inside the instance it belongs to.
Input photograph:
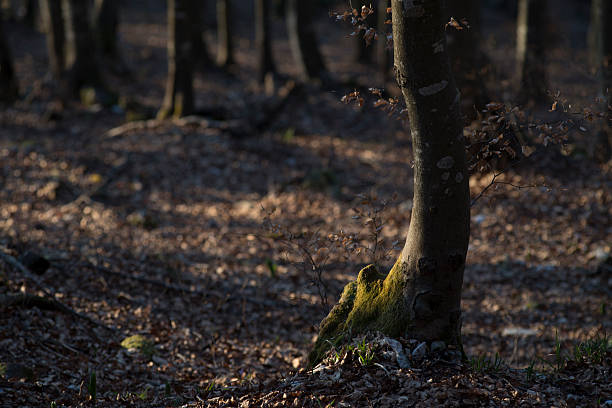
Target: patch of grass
(482, 363)
(593, 351)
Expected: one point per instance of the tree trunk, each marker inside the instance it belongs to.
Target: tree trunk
(53, 23)
(302, 39)
(265, 62)
(178, 100)
(225, 51)
(9, 90)
(364, 51)
(531, 51)
(468, 60)
(420, 297)
(384, 56)
(30, 12)
(106, 21)
(600, 58)
(200, 50)
(81, 62)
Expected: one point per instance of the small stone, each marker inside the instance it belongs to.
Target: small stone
(34, 262)
(438, 346)
(420, 351)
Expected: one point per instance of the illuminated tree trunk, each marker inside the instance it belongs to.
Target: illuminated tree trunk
(178, 100)
(225, 48)
(106, 20)
(53, 23)
(420, 297)
(265, 62)
(9, 90)
(81, 60)
(531, 50)
(302, 39)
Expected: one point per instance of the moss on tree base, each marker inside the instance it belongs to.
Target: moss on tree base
(374, 302)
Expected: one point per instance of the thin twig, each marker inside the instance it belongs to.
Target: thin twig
(48, 296)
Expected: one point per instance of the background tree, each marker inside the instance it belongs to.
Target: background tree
(600, 58)
(364, 51)
(531, 43)
(225, 47)
(383, 52)
(468, 60)
(302, 39)
(265, 62)
(81, 59)
(106, 24)
(420, 296)
(53, 24)
(178, 100)
(200, 49)
(9, 91)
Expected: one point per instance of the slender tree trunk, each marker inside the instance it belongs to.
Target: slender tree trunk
(600, 58)
(53, 23)
(178, 100)
(81, 62)
(531, 50)
(9, 90)
(420, 297)
(365, 51)
(225, 48)
(31, 12)
(468, 60)
(106, 24)
(383, 52)
(200, 50)
(265, 62)
(302, 39)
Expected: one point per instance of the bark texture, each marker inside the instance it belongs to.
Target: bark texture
(265, 62)
(178, 100)
(53, 23)
(420, 297)
(225, 47)
(9, 90)
(302, 39)
(531, 39)
(106, 20)
(81, 59)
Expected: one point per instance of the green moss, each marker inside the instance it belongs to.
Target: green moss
(140, 343)
(373, 302)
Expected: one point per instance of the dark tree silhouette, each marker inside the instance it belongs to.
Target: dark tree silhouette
(178, 100)
(383, 50)
(531, 39)
(420, 297)
(265, 62)
(225, 47)
(9, 90)
(468, 60)
(201, 55)
(302, 39)
(106, 24)
(53, 24)
(81, 59)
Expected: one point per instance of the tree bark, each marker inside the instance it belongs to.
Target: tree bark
(178, 100)
(302, 39)
(106, 21)
(81, 59)
(201, 55)
(53, 23)
(265, 62)
(531, 43)
(9, 90)
(225, 46)
(420, 297)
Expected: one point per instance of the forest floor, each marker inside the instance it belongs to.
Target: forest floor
(162, 232)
